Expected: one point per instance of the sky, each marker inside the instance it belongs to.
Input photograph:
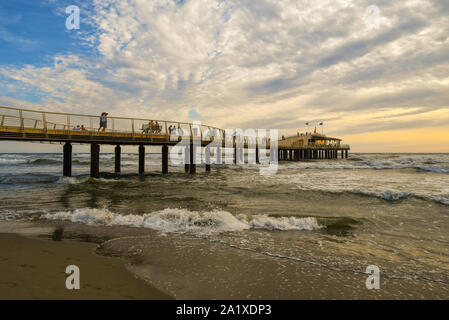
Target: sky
(376, 73)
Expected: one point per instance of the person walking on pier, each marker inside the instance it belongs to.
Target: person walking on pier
(103, 121)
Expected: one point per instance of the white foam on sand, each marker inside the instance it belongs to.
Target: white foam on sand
(186, 221)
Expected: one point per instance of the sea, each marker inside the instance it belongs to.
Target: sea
(310, 230)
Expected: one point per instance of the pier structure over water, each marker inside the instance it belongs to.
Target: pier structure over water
(68, 129)
(311, 146)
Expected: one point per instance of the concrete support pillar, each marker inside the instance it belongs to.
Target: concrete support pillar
(164, 159)
(192, 158)
(187, 159)
(346, 154)
(95, 160)
(141, 159)
(67, 162)
(118, 151)
(207, 155)
(257, 154)
(235, 154)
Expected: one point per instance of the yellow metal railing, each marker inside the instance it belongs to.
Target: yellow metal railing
(24, 119)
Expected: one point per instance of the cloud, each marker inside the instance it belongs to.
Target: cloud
(23, 44)
(250, 64)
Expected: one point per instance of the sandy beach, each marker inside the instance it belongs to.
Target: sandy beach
(35, 269)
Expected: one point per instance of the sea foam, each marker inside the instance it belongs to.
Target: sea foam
(185, 221)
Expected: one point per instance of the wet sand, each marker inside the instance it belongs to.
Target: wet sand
(201, 269)
(35, 269)
(183, 266)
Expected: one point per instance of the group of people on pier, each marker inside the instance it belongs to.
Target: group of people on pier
(80, 128)
(152, 127)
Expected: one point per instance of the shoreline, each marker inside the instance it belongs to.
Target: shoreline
(33, 268)
(148, 265)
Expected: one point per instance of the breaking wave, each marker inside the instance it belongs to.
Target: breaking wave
(396, 196)
(12, 161)
(438, 163)
(186, 221)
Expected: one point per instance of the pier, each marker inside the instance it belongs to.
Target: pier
(51, 127)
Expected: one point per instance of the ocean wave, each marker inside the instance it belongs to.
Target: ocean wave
(432, 169)
(186, 221)
(28, 179)
(78, 161)
(12, 161)
(281, 223)
(364, 165)
(28, 161)
(45, 161)
(438, 163)
(386, 195)
(397, 196)
(71, 180)
(8, 215)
